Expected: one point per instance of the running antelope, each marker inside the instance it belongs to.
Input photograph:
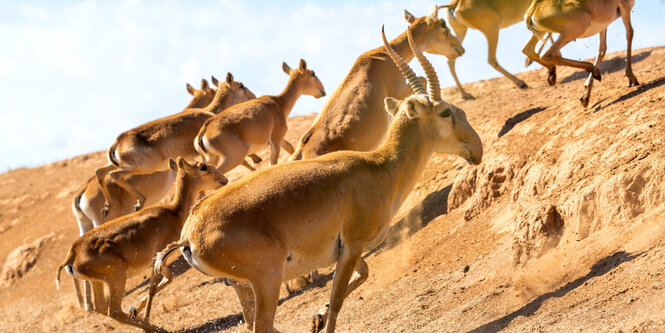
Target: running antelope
(354, 117)
(125, 246)
(247, 127)
(488, 16)
(89, 200)
(148, 148)
(284, 221)
(578, 19)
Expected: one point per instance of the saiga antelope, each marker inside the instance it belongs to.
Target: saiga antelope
(354, 118)
(578, 19)
(148, 148)
(284, 221)
(89, 201)
(488, 16)
(247, 127)
(123, 247)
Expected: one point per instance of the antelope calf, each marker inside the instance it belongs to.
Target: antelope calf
(488, 16)
(284, 221)
(353, 118)
(578, 19)
(148, 148)
(247, 127)
(123, 247)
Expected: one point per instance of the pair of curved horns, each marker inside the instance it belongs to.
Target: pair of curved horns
(412, 79)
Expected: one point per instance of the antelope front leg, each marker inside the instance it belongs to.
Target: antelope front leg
(266, 297)
(349, 263)
(625, 16)
(274, 152)
(155, 287)
(553, 55)
(101, 179)
(116, 291)
(492, 36)
(287, 146)
(119, 177)
(588, 85)
(246, 297)
(465, 95)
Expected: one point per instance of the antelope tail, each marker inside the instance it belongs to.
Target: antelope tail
(67, 265)
(198, 142)
(161, 256)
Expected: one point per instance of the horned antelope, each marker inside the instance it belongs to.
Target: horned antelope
(578, 19)
(148, 148)
(353, 118)
(247, 127)
(123, 247)
(488, 16)
(284, 221)
(200, 98)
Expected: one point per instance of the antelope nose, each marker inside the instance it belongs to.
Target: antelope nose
(460, 50)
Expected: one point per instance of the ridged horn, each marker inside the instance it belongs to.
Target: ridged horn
(411, 77)
(432, 78)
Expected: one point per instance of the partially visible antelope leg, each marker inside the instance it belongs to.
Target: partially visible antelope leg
(248, 166)
(119, 177)
(266, 298)
(287, 146)
(246, 297)
(100, 301)
(274, 151)
(116, 291)
(602, 49)
(492, 36)
(553, 55)
(101, 179)
(624, 9)
(460, 33)
(359, 277)
(255, 158)
(156, 286)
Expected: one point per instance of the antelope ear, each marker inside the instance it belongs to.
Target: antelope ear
(286, 68)
(411, 110)
(173, 165)
(204, 85)
(214, 81)
(392, 105)
(229, 78)
(181, 162)
(409, 17)
(190, 89)
(433, 15)
(303, 64)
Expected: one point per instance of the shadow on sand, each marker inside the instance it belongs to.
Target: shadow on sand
(601, 267)
(520, 117)
(608, 66)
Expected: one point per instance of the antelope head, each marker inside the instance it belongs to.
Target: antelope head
(444, 124)
(201, 97)
(433, 36)
(205, 176)
(238, 92)
(306, 79)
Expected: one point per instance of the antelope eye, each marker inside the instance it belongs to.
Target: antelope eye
(445, 113)
(313, 73)
(204, 167)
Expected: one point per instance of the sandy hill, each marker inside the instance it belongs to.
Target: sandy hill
(559, 229)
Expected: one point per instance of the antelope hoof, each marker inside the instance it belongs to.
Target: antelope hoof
(467, 97)
(132, 312)
(138, 205)
(522, 85)
(595, 73)
(317, 323)
(551, 78)
(255, 158)
(584, 100)
(632, 81)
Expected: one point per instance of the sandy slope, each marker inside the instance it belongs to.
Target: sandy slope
(559, 229)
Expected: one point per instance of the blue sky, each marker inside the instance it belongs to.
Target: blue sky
(75, 74)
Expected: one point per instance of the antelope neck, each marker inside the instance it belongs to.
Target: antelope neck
(184, 196)
(288, 97)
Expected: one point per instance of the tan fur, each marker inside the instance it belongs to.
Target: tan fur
(284, 221)
(247, 127)
(488, 16)
(148, 148)
(577, 19)
(200, 98)
(353, 117)
(123, 247)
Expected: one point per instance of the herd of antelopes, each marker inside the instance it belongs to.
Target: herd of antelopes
(334, 199)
